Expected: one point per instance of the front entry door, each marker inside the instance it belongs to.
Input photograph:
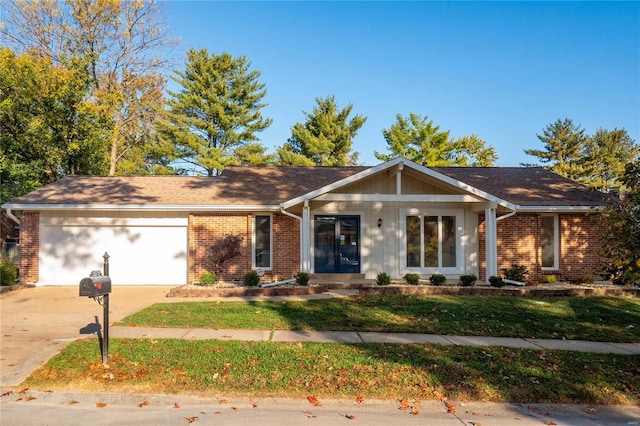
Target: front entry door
(337, 244)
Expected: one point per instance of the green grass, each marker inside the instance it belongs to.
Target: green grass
(613, 319)
(386, 371)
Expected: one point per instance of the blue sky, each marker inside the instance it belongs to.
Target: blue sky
(501, 70)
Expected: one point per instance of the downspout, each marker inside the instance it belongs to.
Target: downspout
(504, 216)
(11, 215)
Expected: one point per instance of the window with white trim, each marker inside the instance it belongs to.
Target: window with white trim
(549, 242)
(432, 240)
(262, 241)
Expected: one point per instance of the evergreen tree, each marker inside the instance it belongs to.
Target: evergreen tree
(418, 139)
(564, 149)
(325, 138)
(216, 111)
(596, 160)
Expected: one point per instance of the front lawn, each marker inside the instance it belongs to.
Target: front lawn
(329, 370)
(613, 319)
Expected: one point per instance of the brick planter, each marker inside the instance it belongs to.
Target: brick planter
(503, 291)
(186, 291)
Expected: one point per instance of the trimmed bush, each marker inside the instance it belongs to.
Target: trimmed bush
(208, 279)
(8, 274)
(438, 279)
(516, 273)
(303, 278)
(412, 279)
(468, 280)
(548, 279)
(495, 281)
(383, 279)
(251, 279)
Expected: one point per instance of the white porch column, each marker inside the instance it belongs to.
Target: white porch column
(305, 240)
(491, 241)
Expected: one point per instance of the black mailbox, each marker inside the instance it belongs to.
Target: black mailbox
(95, 286)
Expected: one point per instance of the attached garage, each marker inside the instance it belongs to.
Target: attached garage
(143, 248)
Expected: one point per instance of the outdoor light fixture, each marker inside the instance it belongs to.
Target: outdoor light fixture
(379, 222)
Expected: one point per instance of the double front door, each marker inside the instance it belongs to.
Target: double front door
(337, 244)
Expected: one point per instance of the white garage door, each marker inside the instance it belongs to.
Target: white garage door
(142, 250)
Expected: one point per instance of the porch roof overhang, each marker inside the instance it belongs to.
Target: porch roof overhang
(469, 195)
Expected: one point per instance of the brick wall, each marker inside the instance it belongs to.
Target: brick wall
(519, 243)
(29, 247)
(579, 243)
(205, 229)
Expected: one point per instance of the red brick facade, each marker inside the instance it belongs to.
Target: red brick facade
(205, 229)
(29, 247)
(519, 242)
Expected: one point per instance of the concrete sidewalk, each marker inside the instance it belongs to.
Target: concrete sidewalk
(371, 337)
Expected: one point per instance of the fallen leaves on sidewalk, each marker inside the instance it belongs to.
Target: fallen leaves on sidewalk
(191, 419)
(143, 403)
(314, 400)
(101, 404)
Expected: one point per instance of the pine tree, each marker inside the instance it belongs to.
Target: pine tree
(325, 138)
(216, 111)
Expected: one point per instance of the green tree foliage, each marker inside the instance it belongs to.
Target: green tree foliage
(418, 139)
(254, 154)
(564, 145)
(596, 160)
(123, 47)
(620, 229)
(325, 138)
(47, 128)
(606, 154)
(216, 111)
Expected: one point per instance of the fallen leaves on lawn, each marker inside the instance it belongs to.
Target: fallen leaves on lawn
(314, 400)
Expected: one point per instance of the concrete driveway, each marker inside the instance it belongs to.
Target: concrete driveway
(36, 323)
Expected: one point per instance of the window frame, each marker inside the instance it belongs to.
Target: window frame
(254, 239)
(459, 233)
(556, 244)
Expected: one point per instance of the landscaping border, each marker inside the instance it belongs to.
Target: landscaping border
(187, 291)
(503, 291)
(8, 288)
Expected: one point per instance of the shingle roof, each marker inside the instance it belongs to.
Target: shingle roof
(526, 186)
(236, 186)
(254, 186)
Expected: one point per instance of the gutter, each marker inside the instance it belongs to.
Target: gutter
(142, 207)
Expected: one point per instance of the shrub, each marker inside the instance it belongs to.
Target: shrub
(516, 273)
(585, 279)
(438, 279)
(495, 281)
(224, 250)
(8, 274)
(303, 278)
(468, 280)
(251, 279)
(548, 279)
(383, 279)
(412, 279)
(208, 279)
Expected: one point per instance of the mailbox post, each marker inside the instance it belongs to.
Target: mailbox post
(98, 287)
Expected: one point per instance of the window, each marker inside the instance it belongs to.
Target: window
(262, 242)
(432, 241)
(549, 242)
